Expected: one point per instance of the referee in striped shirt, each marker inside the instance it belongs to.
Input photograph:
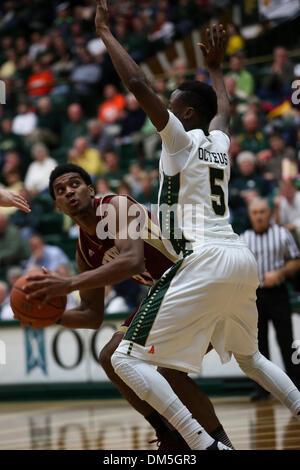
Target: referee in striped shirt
(278, 257)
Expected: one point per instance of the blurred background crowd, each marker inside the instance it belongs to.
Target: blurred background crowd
(65, 103)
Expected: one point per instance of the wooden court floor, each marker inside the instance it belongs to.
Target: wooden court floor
(112, 425)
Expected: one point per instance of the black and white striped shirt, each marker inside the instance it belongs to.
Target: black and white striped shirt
(272, 249)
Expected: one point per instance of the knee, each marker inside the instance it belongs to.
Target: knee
(248, 363)
(105, 356)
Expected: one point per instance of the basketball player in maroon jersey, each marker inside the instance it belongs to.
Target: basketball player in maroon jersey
(107, 261)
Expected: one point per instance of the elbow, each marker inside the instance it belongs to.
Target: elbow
(137, 84)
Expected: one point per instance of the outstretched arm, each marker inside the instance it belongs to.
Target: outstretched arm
(130, 73)
(213, 50)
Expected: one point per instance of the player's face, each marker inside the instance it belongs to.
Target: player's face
(72, 195)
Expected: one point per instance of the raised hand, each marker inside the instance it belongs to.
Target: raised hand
(213, 47)
(10, 199)
(102, 16)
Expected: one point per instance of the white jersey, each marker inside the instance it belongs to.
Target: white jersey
(194, 174)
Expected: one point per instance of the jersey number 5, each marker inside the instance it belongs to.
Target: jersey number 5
(217, 191)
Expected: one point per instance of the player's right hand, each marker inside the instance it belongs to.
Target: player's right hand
(102, 16)
(213, 47)
(10, 199)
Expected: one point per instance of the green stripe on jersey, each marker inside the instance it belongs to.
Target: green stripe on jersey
(141, 325)
(169, 197)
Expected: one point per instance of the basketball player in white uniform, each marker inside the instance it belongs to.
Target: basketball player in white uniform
(209, 294)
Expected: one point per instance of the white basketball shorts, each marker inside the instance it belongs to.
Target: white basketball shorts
(207, 297)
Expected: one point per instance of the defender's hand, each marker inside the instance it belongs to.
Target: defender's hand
(213, 47)
(102, 16)
(9, 199)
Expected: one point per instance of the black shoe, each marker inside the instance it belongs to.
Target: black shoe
(260, 395)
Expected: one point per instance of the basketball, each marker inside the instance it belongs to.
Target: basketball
(33, 312)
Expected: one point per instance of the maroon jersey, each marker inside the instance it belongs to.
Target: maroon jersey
(96, 252)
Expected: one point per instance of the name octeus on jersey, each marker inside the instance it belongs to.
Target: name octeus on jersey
(213, 157)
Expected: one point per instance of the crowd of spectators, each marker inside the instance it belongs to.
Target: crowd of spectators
(64, 102)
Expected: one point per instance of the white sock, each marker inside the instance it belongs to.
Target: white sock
(194, 434)
(151, 386)
(271, 378)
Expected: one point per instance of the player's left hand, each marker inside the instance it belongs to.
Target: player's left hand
(102, 16)
(273, 278)
(213, 47)
(47, 285)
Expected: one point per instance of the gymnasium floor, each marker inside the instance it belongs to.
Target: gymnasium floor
(111, 425)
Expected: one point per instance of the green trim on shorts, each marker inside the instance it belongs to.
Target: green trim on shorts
(142, 323)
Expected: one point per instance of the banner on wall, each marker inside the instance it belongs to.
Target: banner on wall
(278, 9)
(61, 355)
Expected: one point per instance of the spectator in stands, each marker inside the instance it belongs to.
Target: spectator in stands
(244, 80)
(51, 257)
(246, 186)
(162, 31)
(102, 187)
(13, 250)
(37, 176)
(37, 45)
(48, 124)
(41, 81)
(84, 78)
(88, 158)
(9, 67)
(28, 223)
(148, 194)
(133, 117)
(114, 174)
(25, 122)
(235, 40)
(4, 303)
(252, 138)
(98, 137)
(12, 276)
(138, 44)
(75, 127)
(287, 208)
(113, 103)
(12, 164)
(271, 160)
(185, 13)
(133, 178)
(279, 75)
(124, 188)
(9, 141)
(114, 303)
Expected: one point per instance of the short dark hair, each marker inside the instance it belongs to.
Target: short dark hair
(68, 168)
(201, 97)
